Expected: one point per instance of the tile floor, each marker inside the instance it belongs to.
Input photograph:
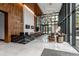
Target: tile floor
(34, 48)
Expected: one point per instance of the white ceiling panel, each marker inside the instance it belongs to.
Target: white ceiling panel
(50, 7)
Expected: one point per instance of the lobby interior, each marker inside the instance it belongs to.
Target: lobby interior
(30, 29)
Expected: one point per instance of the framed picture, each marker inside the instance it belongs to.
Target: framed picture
(27, 26)
(32, 27)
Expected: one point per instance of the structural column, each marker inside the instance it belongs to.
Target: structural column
(72, 25)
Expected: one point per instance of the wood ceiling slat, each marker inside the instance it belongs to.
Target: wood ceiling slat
(34, 7)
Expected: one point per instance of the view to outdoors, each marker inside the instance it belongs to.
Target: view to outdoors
(77, 25)
(48, 23)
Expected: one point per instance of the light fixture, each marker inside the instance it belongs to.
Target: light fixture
(23, 5)
(29, 9)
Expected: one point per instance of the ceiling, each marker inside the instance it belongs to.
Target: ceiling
(50, 7)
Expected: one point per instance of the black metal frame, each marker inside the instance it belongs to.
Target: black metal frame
(64, 17)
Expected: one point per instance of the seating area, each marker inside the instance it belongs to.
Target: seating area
(56, 38)
(51, 38)
(39, 29)
(37, 34)
(24, 38)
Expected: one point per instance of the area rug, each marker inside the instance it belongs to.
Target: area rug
(50, 52)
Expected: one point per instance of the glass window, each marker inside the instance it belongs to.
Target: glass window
(48, 23)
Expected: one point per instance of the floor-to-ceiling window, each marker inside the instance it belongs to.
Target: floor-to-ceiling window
(67, 22)
(48, 23)
(77, 25)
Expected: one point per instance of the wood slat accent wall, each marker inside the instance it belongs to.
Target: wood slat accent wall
(37, 10)
(15, 18)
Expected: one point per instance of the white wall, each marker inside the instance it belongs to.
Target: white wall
(1, 25)
(28, 19)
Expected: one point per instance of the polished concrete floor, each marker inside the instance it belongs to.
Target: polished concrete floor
(33, 48)
(77, 41)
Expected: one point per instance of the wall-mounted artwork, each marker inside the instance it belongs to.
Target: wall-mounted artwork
(27, 26)
(32, 27)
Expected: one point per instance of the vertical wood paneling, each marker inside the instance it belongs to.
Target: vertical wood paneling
(15, 18)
